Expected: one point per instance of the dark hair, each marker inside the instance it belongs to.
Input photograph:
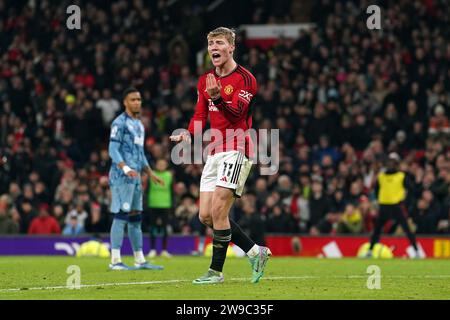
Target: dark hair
(187, 196)
(128, 91)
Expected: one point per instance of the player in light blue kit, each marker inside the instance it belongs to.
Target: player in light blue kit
(126, 149)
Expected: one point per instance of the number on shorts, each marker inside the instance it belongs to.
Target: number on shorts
(230, 166)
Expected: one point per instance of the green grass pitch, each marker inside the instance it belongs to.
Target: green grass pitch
(285, 278)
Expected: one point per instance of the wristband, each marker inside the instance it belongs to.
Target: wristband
(126, 169)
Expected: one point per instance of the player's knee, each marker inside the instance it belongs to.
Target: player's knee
(205, 218)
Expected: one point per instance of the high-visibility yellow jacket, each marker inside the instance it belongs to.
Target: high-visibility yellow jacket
(391, 188)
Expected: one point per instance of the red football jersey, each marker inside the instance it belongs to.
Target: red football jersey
(230, 114)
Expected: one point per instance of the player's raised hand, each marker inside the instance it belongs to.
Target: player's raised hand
(213, 87)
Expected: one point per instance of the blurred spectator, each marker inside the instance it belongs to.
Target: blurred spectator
(59, 215)
(279, 221)
(79, 212)
(40, 193)
(324, 150)
(337, 203)
(160, 206)
(426, 214)
(261, 191)
(14, 191)
(27, 215)
(424, 217)
(44, 223)
(368, 212)
(108, 106)
(185, 212)
(96, 221)
(284, 186)
(439, 124)
(351, 221)
(73, 227)
(318, 207)
(7, 224)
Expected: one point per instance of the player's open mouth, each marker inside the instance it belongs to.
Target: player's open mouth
(215, 57)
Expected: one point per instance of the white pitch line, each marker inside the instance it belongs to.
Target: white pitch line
(97, 285)
(146, 282)
(232, 279)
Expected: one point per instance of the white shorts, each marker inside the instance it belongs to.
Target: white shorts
(225, 169)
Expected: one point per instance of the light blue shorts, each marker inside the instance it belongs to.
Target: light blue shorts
(126, 197)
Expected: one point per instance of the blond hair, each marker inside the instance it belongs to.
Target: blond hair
(225, 32)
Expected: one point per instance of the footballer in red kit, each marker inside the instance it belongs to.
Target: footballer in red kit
(232, 110)
(225, 94)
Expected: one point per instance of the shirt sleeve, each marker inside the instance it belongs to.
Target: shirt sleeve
(239, 106)
(201, 109)
(115, 141)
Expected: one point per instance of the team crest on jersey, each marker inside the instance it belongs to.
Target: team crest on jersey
(228, 89)
(114, 131)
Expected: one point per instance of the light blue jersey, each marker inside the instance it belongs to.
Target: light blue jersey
(126, 144)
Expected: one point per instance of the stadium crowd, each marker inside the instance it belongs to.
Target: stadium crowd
(341, 95)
